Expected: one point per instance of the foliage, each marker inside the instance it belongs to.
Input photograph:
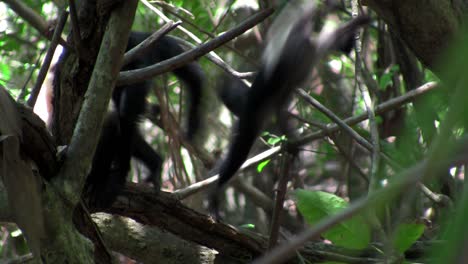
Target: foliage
(406, 235)
(455, 124)
(315, 206)
(331, 163)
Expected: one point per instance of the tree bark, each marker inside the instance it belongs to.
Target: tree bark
(64, 244)
(427, 27)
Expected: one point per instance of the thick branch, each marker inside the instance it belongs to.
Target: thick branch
(161, 210)
(133, 239)
(90, 120)
(170, 214)
(37, 143)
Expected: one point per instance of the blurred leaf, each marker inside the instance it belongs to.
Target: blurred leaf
(248, 226)
(379, 120)
(386, 78)
(273, 141)
(316, 206)
(406, 235)
(16, 233)
(5, 73)
(429, 76)
(455, 80)
(262, 165)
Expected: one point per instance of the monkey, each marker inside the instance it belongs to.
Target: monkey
(233, 93)
(287, 61)
(120, 138)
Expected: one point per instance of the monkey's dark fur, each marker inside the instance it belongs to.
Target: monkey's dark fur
(287, 62)
(233, 93)
(120, 138)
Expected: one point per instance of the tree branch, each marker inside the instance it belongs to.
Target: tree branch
(48, 59)
(33, 19)
(87, 130)
(330, 128)
(129, 77)
(133, 239)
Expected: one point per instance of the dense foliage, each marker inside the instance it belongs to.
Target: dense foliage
(406, 157)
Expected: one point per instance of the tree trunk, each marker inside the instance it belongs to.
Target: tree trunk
(427, 27)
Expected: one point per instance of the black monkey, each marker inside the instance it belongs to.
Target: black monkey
(120, 138)
(287, 62)
(233, 93)
(131, 102)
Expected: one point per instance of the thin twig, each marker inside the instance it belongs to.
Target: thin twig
(48, 59)
(194, 37)
(374, 130)
(362, 141)
(33, 18)
(330, 128)
(381, 108)
(365, 143)
(349, 159)
(218, 61)
(146, 44)
(279, 200)
(375, 200)
(22, 94)
(224, 15)
(133, 76)
(75, 28)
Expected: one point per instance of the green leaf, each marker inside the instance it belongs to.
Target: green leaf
(262, 165)
(248, 226)
(273, 141)
(386, 78)
(5, 73)
(316, 206)
(406, 235)
(379, 120)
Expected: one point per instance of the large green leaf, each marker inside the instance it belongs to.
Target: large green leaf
(316, 206)
(406, 235)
